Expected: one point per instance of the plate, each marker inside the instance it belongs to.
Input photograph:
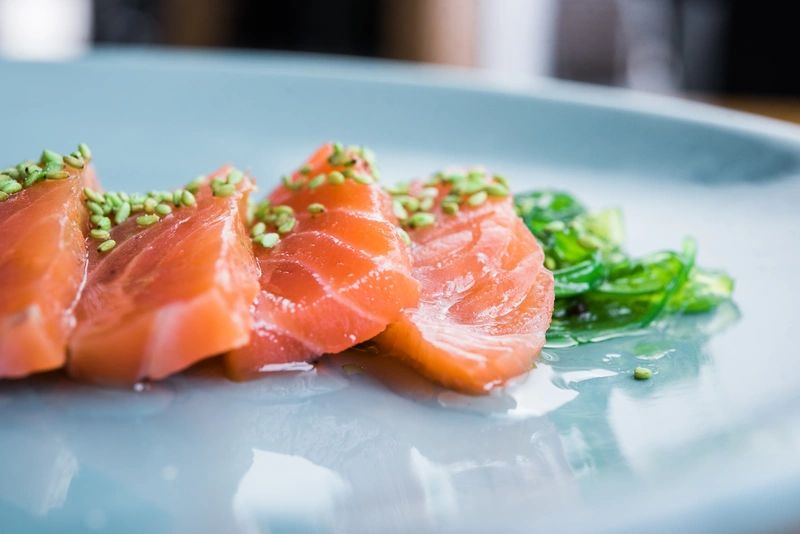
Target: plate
(709, 444)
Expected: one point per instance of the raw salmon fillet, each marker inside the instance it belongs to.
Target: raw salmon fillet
(42, 268)
(338, 277)
(168, 294)
(486, 297)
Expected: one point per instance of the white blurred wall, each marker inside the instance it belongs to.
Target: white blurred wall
(517, 36)
(44, 29)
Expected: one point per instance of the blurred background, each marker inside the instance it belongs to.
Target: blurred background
(734, 53)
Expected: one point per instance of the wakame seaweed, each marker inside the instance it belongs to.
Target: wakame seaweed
(602, 292)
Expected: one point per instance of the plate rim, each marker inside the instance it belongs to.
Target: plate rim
(403, 73)
(315, 66)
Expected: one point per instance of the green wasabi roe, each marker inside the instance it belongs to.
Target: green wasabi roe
(601, 292)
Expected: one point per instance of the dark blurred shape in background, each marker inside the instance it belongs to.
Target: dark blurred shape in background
(696, 47)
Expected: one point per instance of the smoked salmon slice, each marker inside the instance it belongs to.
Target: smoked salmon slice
(170, 284)
(486, 298)
(42, 259)
(335, 269)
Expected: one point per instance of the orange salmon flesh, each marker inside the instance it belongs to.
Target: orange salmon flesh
(168, 295)
(463, 297)
(337, 279)
(42, 267)
(486, 298)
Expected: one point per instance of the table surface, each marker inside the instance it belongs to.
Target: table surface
(782, 108)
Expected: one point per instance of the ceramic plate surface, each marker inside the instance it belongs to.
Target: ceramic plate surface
(710, 444)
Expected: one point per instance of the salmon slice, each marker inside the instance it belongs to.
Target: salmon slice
(486, 297)
(166, 290)
(42, 261)
(337, 277)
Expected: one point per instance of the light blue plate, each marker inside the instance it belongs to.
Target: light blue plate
(710, 444)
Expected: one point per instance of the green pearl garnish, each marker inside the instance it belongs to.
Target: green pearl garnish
(316, 208)
(468, 187)
(31, 179)
(316, 182)
(187, 198)
(48, 156)
(450, 208)
(421, 219)
(364, 179)
(642, 373)
(224, 190)
(194, 185)
(85, 152)
(258, 229)
(163, 209)
(147, 220)
(269, 240)
(97, 233)
(399, 189)
(91, 194)
(428, 192)
(114, 199)
(453, 178)
(282, 209)
(53, 166)
(409, 203)
(339, 156)
(496, 190)
(105, 246)
(94, 207)
(477, 199)
(150, 205)
(399, 211)
(73, 162)
(287, 226)
(235, 176)
(404, 236)
(123, 212)
(335, 178)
